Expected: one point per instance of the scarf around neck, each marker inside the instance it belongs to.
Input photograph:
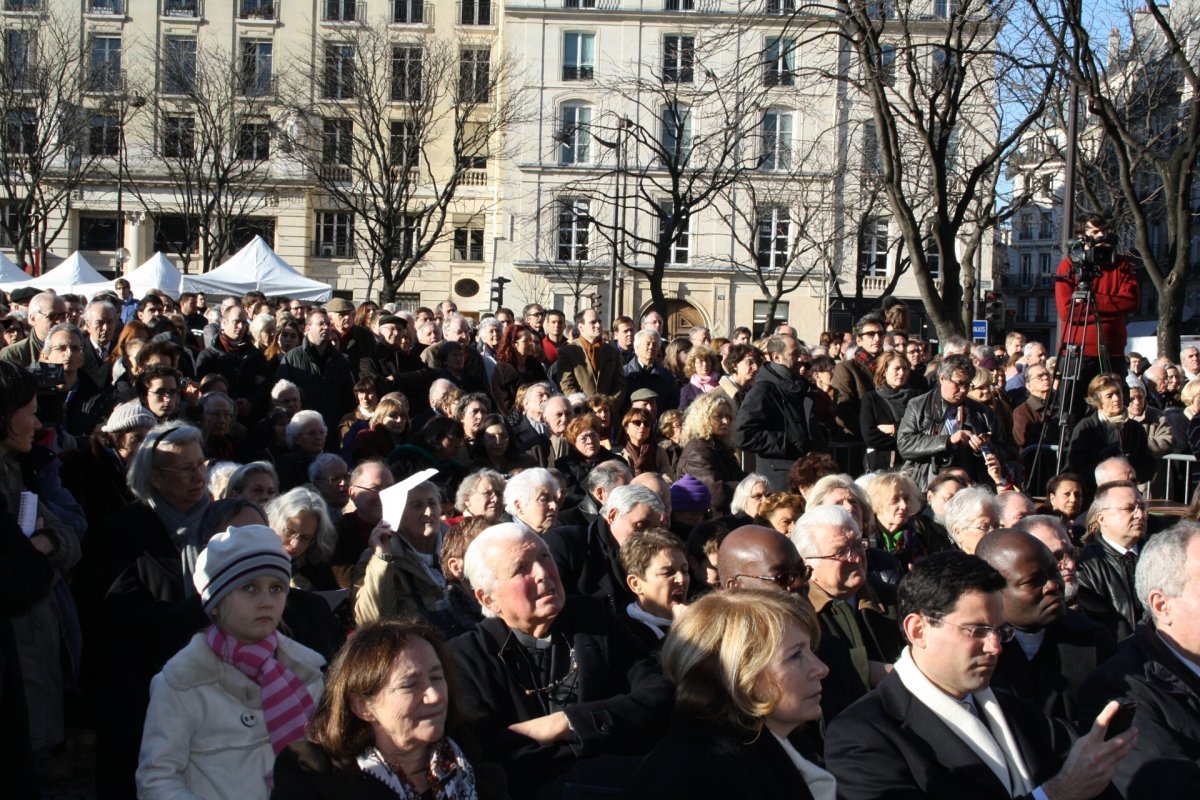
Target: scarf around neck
(706, 383)
(184, 528)
(591, 350)
(286, 702)
(449, 773)
(1115, 419)
(658, 625)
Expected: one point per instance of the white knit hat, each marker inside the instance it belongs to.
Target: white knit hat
(128, 416)
(236, 555)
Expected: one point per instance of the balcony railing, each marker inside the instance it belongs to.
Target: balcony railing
(575, 72)
(337, 173)
(106, 81)
(602, 5)
(258, 10)
(411, 12)
(182, 9)
(24, 6)
(106, 7)
(693, 6)
(476, 13)
(334, 249)
(474, 177)
(343, 11)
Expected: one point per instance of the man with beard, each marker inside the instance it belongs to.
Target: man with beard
(934, 728)
(854, 379)
(1050, 531)
(1053, 649)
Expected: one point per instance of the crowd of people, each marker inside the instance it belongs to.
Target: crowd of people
(278, 549)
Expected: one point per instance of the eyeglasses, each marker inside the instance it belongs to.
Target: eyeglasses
(1062, 555)
(784, 580)
(367, 488)
(291, 536)
(588, 437)
(336, 480)
(187, 469)
(872, 333)
(986, 527)
(638, 423)
(488, 493)
(854, 549)
(163, 394)
(1139, 506)
(63, 348)
(966, 385)
(1003, 633)
(55, 316)
(535, 315)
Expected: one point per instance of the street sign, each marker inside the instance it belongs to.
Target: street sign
(985, 286)
(979, 330)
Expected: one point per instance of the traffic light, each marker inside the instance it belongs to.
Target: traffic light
(498, 291)
(993, 308)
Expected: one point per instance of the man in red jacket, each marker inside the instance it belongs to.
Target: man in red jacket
(1116, 294)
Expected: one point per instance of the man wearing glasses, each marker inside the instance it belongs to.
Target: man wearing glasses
(847, 605)
(45, 311)
(935, 728)
(756, 557)
(854, 378)
(1108, 562)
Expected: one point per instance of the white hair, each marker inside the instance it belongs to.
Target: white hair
(323, 462)
(468, 484)
(624, 499)
(1101, 473)
(239, 479)
(966, 504)
(290, 505)
(820, 517)
(737, 503)
(174, 434)
(524, 485)
(301, 420)
(477, 561)
(259, 325)
(1162, 563)
(219, 474)
(282, 386)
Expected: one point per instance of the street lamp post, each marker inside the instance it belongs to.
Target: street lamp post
(127, 102)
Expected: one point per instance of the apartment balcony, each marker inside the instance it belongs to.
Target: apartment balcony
(182, 9)
(693, 6)
(597, 5)
(334, 249)
(24, 6)
(259, 86)
(258, 10)
(105, 8)
(335, 11)
(474, 177)
(335, 173)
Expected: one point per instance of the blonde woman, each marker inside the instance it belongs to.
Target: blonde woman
(707, 440)
(701, 366)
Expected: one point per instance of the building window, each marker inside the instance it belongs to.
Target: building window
(254, 141)
(872, 159)
(257, 9)
(873, 248)
(944, 9)
(474, 75)
(944, 67)
(104, 68)
(1044, 263)
(573, 219)
(335, 234)
(776, 7)
(681, 245)
(676, 134)
(337, 145)
(777, 140)
(104, 135)
(172, 234)
(764, 326)
(573, 135)
(256, 67)
(774, 241)
(243, 233)
(779, 62)
(1026, 270)
(179, 66)
(679, 5)
(887, 64)
(408, 12)
(475, 148)
(405, 144)
(679, 56)
(475, 12)
(18, 56)
(409, 232)
(339, 71)
(97, 233)
(468, 244)
(20, 132)
(579, 56)
(181, 8)
(179, 136)
(406, 73)
(339, 10)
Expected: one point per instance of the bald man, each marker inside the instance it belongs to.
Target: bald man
(757, 557)
(1054, 649)
(655, 483)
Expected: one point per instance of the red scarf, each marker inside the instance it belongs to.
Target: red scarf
(866, 360)
(285, 699)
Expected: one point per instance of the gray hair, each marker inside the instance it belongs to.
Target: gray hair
(219, 473)
(97, 305)
(175, 434)
(290, 505)
(1108, 463)
(439, 388)
(646, 333)
(301, 420)
(322, 462)
(281, 386)
(259, 324)
(454, 319)
(477, 566)
(1027, 350)
(956, 363)
(471, 481)
(207, 399)
(69, 327)
(982, 352)
(490, 322)
(820, 517)
(1162, 564)
(954, 345)
(243, 474)
(624, 499)
(1005, 499)
(1035, 521)
(737, 503)
(42, 303)
(607, 475)
(524, 485)
(966, 504)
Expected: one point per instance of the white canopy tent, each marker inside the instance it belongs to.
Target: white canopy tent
(156, 273)
(73, 276)
(11, 276)
(256, 267)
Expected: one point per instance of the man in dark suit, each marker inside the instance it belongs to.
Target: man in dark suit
(1159, 667)
(1053, 649)
(934, 728)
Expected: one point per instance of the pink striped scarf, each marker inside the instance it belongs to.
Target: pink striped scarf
(285, 699)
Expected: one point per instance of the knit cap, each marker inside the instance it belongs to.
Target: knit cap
(235, 556)
(690, 494)
(128, 416)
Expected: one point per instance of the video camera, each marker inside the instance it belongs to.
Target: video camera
(1091, 255)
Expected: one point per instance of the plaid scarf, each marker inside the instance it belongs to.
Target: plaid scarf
(865, 360)
(286, 702)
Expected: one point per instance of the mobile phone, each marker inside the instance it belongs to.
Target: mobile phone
(1121, 720)
(983, 448)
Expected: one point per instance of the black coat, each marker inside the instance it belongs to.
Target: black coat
(1093, 440)
(1071, 651)
(245, 370)
(589, 563)
(400, 372)
(778, 420)
(326, 382)
(714, 465)
(1106, 591)
(921, 442)
(656, 378)
(884, 406)
(622, 696)
(1166, 758)
(701, 761)
(891, 745)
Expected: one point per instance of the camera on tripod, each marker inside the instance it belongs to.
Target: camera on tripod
(1091, 255)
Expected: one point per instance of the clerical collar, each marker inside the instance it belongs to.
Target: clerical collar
(532, 642)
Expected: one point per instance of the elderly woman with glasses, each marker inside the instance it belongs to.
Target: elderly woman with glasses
(969, 516)
(300, 518)
(305, 436)
(583, 434)
(1108, 432)
(708, 454)
(481, 494)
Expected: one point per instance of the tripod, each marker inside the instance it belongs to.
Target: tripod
(1068, 363)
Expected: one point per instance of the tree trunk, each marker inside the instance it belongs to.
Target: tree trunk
(1170, 314)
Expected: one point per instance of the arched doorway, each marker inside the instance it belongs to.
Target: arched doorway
(681, 316)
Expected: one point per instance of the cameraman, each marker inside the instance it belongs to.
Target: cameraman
(1115, 289)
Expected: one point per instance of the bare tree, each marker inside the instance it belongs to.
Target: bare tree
(394, 132)
(952, 87)
(1140, 89)
(212, 158)
(61, 117)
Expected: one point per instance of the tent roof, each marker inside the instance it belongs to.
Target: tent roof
(74, 275)
(256, 267)
(157, 272)
(11, 276)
